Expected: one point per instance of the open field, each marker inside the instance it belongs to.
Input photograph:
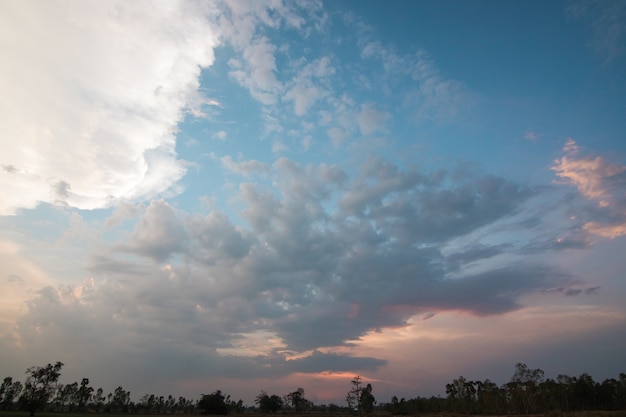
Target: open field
(618, 413)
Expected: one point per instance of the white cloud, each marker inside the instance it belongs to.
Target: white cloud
(304, 92)
(306, 142)
(259, 74)
(279, 146)
(21, 278)
(303, 97)
(531, 135)
(106, 84)
(336, 135)
(372, 120)
(433, 97)
(221, 135)
(245, 168)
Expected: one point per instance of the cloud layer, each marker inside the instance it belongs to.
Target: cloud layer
(69, 140)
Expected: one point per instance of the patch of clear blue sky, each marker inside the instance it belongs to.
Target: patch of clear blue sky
(525, 65)
(532, 64)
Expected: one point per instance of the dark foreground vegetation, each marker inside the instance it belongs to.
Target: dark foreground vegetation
(528, 392)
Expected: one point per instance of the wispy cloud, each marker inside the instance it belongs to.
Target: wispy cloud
(432, 96)
(531, 135)
(245, 168)
(606, 20)
(599, 181)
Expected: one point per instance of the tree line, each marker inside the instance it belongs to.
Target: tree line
(528, 392)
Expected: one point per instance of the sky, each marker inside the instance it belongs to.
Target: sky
(266, 195)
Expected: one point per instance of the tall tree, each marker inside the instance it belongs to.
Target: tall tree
(9, 392)
(119, 401)
(268, 403)
(67, 397)
(40, 385)
(523, 387)
(85, 392)
(214, 403)
(297, 400)
(367, 399)
(360, 398)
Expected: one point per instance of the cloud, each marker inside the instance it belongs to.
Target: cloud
(455, 261)
(159, 233)
(304, 92)
(244, 168)
(240, 27)
(371, 120)
(429, 94)
(259, 73)
(531, 135)
(317, 259)
(99, 123)
(588, 174)
(599, 181)
(319, 362)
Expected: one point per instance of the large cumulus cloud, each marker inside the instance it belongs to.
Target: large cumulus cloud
(107, 85)
(321, 258)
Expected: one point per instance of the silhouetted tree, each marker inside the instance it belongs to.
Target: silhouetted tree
(67, 397)
(85, 392)
(119, 401)
(523, 387)
(98, 400)
(297, 400)
(367, 399)
(360, 398)
(40, 385)
(9, 392)
(584, 392)
(462, 394)
(214, 403)
(268, 403)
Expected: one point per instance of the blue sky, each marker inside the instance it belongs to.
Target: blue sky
(267, 195)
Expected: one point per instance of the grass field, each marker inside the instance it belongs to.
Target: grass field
(619, 413)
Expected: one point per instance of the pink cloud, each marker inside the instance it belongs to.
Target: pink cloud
(592, 176)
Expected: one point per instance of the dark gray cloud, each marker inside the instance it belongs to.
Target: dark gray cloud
(159, 233)
(325, 258)
(455, 261)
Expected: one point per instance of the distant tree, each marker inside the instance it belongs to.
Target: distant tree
(67, 397)
(214, 403)
(85, 392)
(185, 405)
(490, 397)
(98, 400)
(353, 398)
(523, 388)
(268, 403)
(40, 385)
(9, 392)
(367, 399)
(585, 392)
(235, 407)
(297, 400)
(119, 401)
(360, 398)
